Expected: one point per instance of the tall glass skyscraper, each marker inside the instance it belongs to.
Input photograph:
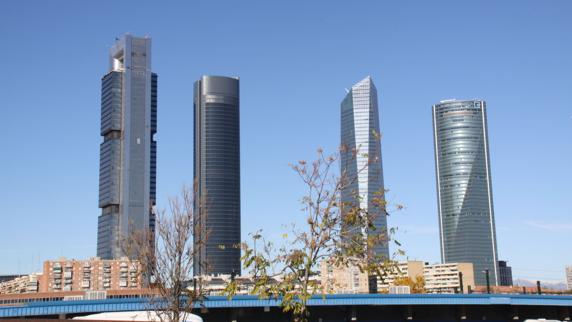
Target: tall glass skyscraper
(128, 154)
(464, 189)
(360, 132)
(217, 175)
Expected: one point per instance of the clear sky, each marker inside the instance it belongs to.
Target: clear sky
(294, 59)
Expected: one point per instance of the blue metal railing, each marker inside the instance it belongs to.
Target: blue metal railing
(243, 301)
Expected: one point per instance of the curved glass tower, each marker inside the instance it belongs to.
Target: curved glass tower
(360, 132)
(217, 175)
(464, 190)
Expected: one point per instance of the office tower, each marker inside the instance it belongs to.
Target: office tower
(217, 175)
(569, 277)
(362, 171)
(464, 189)
(505, 274)
(128, 154)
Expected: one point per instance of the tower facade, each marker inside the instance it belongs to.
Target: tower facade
(128, 153)
(363, 170)
(464, 189)
(217, 175)
(505, 274)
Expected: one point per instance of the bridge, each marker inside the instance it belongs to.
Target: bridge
(331, 308)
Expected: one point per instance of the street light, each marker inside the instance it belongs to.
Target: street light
(486, 271)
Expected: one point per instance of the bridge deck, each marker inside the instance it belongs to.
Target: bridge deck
(220, 302)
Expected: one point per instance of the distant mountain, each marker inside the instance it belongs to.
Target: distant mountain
(560, 286)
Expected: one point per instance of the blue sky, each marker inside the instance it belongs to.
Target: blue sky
(294, 59)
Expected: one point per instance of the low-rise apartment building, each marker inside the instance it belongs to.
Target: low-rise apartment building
(342, 279)
(438, 278)
(446, 278)
(67, 275)
(21, 284)
(92, 274)
(408, 269)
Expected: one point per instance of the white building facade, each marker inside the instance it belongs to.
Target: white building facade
(361, 162)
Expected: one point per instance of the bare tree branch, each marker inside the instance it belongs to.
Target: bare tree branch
(166, 257)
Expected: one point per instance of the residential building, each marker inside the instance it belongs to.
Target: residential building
(20, 284)
(399, 289)
(408, 269)
(343, 279)
(446, 278)
(505, 274)
(128, 153)
(569, 277)
(5, 278)
(438, 278)
(217, 176)
(71, 275)
(361, 161)
(94, 274)
(464, 189)
(214, 285)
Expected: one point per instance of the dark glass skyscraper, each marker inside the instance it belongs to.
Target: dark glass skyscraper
(128, 154)
(505, 274)
(464, 189)
(360, 132)
(217, 175)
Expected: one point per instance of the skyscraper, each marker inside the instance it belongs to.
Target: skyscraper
(505, 274)
(464, 189)
(360, 132)
(128, 154)
(217, 175)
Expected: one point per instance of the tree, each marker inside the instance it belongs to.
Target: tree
(166, 258)
(325, 236)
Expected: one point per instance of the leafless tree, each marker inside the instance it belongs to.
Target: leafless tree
(166, 258)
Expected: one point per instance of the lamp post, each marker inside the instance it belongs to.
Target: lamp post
(486, 271)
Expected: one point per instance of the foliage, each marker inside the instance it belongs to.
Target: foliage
(416, 286)
(288, 271)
